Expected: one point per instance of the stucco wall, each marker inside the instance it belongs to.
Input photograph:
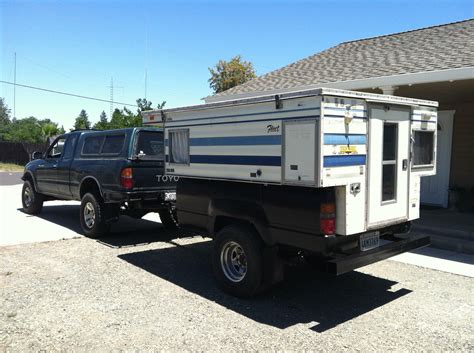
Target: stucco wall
(462, 155)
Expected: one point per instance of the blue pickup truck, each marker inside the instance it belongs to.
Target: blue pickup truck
(111, 172)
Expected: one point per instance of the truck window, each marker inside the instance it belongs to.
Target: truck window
(150, 145)
(113, 144)
(69, 147)
(57, 148)
(179, 146)
(92, 144)
(423, 148)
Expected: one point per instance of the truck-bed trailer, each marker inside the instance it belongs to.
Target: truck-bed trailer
(322, 174)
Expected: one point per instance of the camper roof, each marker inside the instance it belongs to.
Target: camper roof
(370, 97)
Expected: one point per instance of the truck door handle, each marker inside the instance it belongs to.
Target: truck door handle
(405, 164)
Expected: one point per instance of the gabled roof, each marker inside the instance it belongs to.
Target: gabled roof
(449, 46)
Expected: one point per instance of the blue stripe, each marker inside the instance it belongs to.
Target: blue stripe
(265, 140)
(424, 121)
(344, 109)
(343, 116)
(343, 160)
(237, 160)
(343, 139)
(246, 121)
(236, 140)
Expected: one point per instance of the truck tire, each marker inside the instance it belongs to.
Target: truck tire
(92, 216)
(31, 200)
(237, 260)
(168, 218)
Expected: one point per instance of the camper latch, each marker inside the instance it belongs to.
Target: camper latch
(278, 102)
(355, 188)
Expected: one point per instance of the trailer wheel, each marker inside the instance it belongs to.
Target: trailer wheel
(31, 200)
(237, 260)
(168, 218)
(93, 216)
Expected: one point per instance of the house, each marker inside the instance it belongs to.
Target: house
(435, 63)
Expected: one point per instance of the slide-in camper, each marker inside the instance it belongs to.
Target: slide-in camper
(331, 176)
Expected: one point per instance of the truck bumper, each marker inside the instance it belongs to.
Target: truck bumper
(345, 263)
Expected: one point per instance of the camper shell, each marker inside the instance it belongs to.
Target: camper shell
(325, 171)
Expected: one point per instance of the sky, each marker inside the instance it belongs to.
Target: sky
(79, 46)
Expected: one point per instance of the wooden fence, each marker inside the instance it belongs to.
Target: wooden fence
(19, 152)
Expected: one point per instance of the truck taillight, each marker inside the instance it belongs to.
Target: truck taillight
(126, 178)
(328, 218)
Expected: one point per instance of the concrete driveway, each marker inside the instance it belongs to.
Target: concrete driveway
(58, 220)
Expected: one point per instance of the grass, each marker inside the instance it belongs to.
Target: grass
(10, 167)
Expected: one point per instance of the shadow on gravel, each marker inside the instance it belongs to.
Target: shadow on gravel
(126, 232)
(305, 297)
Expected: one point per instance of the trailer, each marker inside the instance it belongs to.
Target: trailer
(328, 175)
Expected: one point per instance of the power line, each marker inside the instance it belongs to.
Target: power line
(66, 94)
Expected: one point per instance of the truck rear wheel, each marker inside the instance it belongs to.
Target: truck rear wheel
(92, 216)
(237, 260)
(31, 200)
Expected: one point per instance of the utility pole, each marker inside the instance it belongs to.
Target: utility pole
(14, 90)
(111, 96)
(111, 88)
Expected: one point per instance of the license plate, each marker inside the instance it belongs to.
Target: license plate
(369, 241)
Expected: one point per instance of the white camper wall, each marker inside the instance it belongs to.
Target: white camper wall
(242, 142)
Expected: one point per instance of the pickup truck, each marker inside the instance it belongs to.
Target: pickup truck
(111, 172)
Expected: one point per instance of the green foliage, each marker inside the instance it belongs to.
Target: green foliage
(27, 130)
(82, 121)
(4, 113)
(103, 123)
(122, 118)
(228, 74)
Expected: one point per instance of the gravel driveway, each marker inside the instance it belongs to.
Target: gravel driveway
(156, 293)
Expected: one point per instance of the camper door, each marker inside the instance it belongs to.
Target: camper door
(388, 164)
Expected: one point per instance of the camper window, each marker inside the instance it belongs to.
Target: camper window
(423, 148)
(389, 162)
(179, 146)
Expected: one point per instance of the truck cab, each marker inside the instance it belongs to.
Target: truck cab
(111, 172)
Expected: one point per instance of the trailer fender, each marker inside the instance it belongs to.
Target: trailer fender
(223, 211)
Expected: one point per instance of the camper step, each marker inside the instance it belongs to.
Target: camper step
(446, 232)
(446, 242)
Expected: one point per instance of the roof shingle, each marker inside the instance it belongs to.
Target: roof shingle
(441, 47)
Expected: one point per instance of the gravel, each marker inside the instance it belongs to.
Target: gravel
(154, 293)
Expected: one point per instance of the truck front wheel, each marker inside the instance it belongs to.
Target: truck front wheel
(31, 200)
(92, 216)
(237, 260)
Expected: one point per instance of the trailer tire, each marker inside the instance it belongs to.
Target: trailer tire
(31, 200)
(237, 260)
(93, 217)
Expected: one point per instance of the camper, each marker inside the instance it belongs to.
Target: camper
(325, 175)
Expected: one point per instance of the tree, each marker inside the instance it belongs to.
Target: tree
(24, 130)
(228, 74)
(4, 113)
(82, 121)
(103, 123)
(144, 105)
(49, 129)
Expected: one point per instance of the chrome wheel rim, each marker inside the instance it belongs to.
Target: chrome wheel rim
(233, 261)
(27, 196)
(89, 215)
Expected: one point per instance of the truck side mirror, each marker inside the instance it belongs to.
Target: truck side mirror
(36, 155)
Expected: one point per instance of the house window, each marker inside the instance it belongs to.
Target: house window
(179, 146)
(423, 148)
